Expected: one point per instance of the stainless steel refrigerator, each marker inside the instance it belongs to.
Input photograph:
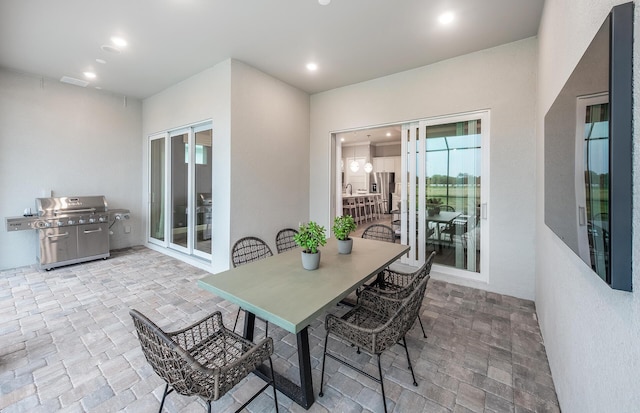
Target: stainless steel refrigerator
(385, 185)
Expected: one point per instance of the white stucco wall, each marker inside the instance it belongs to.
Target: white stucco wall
(69, 140)
(591, 332)
(501, 79)
(260, 149)
(203, 96)
(270, 154)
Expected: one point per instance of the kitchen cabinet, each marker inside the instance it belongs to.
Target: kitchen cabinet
(388, 164)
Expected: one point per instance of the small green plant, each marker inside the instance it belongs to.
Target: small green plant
(342, 226)
(310, 237)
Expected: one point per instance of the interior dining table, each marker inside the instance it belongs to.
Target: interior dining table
(278, 290)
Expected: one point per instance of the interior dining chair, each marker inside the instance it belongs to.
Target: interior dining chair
(244, 251)
(398, 285)
(457, 227)
(285, 241)
(380, 232)
(205, 359)
(374, 325)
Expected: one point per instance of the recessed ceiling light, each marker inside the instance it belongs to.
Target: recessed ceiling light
(118, 41)
(109, 49)
(388, 133)
(312, 67)
(101, 61)
(341, 139)
(89, 75)
(446, 18)
(98, 87)
(324, 2)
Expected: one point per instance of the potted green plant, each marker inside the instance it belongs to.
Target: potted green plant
(310, 237)
(342, 226)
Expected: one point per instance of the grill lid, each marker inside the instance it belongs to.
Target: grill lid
(56, 206)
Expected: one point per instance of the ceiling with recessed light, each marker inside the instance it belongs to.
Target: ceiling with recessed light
(167, 41)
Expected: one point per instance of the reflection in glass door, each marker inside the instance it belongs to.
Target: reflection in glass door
(443, 201)
(592, 181)
(181, 185)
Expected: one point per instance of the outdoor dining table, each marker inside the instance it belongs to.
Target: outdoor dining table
(279, 290)
(443, 217)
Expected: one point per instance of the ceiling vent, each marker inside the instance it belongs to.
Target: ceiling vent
(110, 49)
(74, 81)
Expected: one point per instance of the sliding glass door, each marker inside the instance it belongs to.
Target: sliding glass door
(180, 202)
(444, 199)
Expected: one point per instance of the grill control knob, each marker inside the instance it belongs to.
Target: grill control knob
(81, 221)
(47, 224)
(60, 223)
(102, 219)
(71, 222)
(92, 220)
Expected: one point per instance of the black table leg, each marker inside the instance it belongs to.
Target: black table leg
(304, 361)
(302, 394)
(249, 324)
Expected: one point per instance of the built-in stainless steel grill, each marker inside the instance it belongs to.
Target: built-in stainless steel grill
(70, 229)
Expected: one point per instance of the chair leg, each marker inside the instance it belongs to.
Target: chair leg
(406, 349)
(273, 383)
(384, 398)
(237, 317)
(164, 396)
(422, 327)
(324, 358)
(208, 406)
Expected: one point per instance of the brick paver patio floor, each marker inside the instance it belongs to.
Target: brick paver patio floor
(67, 343)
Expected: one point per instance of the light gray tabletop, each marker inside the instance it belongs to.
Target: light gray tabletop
(280, 291)
(443, 216)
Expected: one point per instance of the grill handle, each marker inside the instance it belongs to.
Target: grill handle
(57, 235)
(91, 231)
(74, 211)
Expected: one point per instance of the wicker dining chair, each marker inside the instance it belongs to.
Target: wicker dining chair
(375, 324)
(285, 241)
(380, 232)
(398, 285)
(205, 359)
(244, 251)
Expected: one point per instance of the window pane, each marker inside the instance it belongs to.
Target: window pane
(203, 185)
(156, 227)
(453, 165)
(179, 190)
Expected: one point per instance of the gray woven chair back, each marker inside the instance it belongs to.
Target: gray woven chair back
(402, 320)
(285, 241)
(165, 356)
(414, 280)
(249, 249)
(407, 316)
(379, 232)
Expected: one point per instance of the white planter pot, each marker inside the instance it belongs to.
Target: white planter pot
(310, 261)
(345, 246)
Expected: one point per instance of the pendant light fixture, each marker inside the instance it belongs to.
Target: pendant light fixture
(367, 166)
(354, 165)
